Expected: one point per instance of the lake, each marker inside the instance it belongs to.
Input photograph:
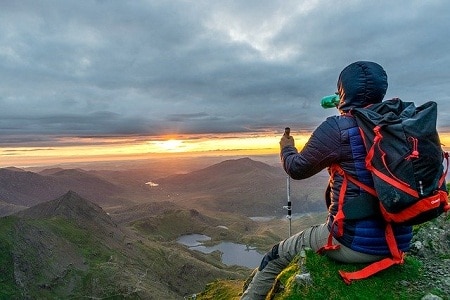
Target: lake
(232, 253)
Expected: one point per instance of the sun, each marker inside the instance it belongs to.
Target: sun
(170, 145)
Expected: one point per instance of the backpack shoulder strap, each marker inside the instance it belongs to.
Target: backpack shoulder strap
(338, 221)
(393, 180)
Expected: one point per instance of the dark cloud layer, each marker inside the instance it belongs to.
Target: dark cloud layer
(111, 68)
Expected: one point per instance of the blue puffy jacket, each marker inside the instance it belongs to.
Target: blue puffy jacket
(337, 140)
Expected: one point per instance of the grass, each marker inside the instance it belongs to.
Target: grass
(220, 290)
(396, 282)
(87, 246)
(8, 287)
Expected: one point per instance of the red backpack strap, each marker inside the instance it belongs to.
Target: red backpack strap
(397, 258)
(397, 255)
(392, 180)
(339, 218)
(337, 168)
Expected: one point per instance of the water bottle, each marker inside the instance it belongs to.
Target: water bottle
(330, 101)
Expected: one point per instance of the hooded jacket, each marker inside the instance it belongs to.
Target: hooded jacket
(338, 141)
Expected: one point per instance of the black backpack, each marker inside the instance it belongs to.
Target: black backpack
(405, 157)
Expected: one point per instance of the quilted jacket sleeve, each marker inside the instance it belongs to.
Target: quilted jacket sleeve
(321, 150)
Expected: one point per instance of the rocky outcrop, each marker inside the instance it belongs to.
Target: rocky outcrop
(431, 245)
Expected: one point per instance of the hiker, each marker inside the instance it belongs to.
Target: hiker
(336, 141)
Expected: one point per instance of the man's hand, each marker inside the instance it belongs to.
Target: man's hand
(286, 140)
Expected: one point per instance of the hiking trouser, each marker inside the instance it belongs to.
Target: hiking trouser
(283, 253)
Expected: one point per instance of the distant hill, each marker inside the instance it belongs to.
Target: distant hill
(244, 186)
(25, 188)
(50, 171)
(70, 248)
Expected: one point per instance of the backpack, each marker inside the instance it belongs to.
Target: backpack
(405, 158)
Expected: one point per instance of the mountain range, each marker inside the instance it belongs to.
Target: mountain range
(244, 186)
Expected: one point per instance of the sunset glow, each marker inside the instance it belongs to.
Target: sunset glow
(74, 150)
(86, 150)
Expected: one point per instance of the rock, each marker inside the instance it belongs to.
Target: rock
(303, 279)
(431, 245)
(431, 297)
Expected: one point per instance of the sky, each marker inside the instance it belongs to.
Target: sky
(111, 78)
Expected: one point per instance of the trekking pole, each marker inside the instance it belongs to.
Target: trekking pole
(289, 204)
(287, 132)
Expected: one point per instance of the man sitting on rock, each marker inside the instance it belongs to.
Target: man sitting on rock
(336, 141)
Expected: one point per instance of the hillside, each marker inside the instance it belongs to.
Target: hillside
(70, 248)
(425, 272)
(7, 209)
(19, 187)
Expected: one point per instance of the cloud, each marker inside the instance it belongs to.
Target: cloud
(102, 68)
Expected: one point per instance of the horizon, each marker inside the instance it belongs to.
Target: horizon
(110, 150)
(141, 161)
(163, 147)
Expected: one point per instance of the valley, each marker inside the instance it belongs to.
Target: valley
(99, 232)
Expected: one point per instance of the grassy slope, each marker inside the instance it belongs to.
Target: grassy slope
(7, 286)
(394, 283)
(55, 258)
(327, 283)
(66, 261)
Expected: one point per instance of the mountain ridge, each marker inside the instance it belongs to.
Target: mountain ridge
(73, 207)
(70, 248)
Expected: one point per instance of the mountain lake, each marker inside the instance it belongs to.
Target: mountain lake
(232, 253)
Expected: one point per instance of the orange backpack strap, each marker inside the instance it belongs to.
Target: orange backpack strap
(396, 259)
